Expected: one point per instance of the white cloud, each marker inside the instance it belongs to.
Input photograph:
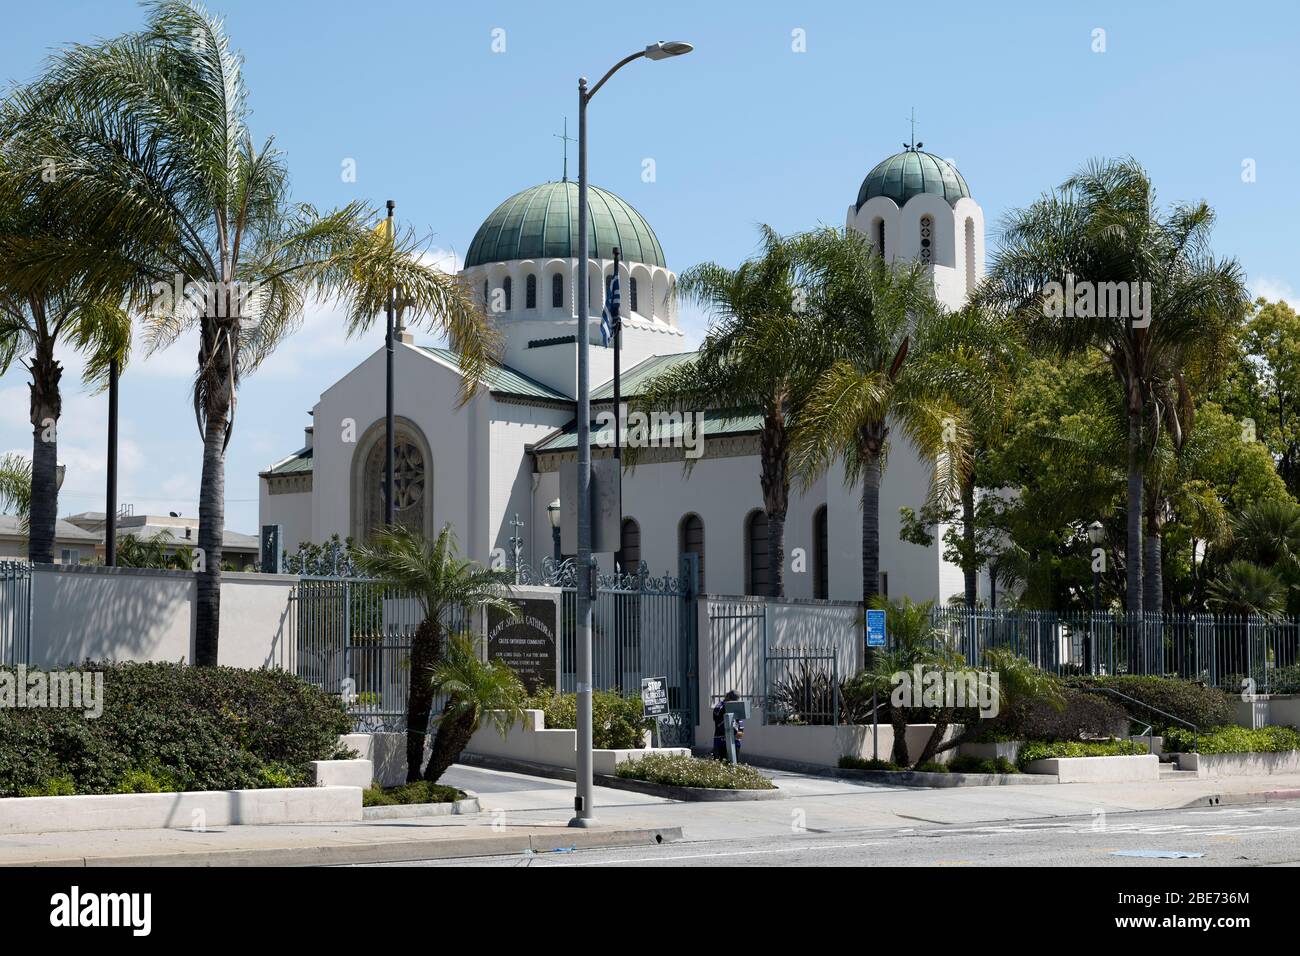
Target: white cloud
(1273, 289)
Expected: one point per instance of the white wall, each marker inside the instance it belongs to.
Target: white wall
(120, 614)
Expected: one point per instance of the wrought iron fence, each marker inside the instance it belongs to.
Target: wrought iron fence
(15, 612)
(1221, 650)
(802, 686)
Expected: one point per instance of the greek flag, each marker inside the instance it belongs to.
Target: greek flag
(609, 316)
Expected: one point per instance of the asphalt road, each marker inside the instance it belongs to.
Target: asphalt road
(1267, 835)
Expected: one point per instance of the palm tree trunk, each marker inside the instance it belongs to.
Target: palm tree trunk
(46, 406)
(1133, 543)
(870, 456)
(969, 571)
(898, 722)
(1152, 571)
(776, 553)
(426, 651)
(212, 519)
(452, 738)
(941, 721)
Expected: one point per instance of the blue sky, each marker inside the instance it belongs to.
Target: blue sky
(742, 131)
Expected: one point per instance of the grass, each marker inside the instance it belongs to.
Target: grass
(419, 792)
(677, 770)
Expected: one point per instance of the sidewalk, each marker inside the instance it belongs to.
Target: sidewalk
(528, 815)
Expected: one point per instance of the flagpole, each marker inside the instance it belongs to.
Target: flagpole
(389, 425)
(618, 349)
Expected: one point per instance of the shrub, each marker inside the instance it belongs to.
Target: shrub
(1046, 750)
(421, 791)
(1080, 714)
(1189, 701)
(175, 727)
(932, 766)
(982, 765)
(861, 763)
(1233, 739)
(616, 721)
(680, 770)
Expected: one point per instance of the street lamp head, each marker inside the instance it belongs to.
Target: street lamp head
(553, 512)
(1096, 532)
(666, 48)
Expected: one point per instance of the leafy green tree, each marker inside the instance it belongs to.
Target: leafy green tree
(147, 151)
(758, 355)
(476, 690)
(442, 582)
(1100, 228)
(881, 332)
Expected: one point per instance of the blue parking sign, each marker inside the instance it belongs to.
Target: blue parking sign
(875, 629)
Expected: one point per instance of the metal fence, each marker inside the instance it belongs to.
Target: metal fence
(1220, 650)
(15, 612)
(802, 687)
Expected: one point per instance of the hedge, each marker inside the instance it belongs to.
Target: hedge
(679, 770)
(172, 727)
(1233, 740)
(1195, 703)
(616, 721)
(1047, 750)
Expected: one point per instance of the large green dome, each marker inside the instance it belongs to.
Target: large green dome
(909, 173)
(542, 223)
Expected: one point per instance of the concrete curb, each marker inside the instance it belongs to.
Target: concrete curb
(685, 794)
(1238, 799)
(907, 778)
(506, 844)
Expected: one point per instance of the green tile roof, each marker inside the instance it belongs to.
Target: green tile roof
(542, 223)
(503, 380)
(633, 379)
(299, 463)
(716, 424)
(910, 173)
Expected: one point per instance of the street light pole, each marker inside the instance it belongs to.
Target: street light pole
(110, 496)
(389, 429)
(583, 810)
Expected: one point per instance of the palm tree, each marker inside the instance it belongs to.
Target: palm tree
(1247, 589)
(443, 584)
(1102, 227)
(758, 356)
(16, 485)
(36, 320)
(146, 148)
(475, 690)
(882, 338)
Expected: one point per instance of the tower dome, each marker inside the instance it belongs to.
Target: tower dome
(542, 223)
(910, 173)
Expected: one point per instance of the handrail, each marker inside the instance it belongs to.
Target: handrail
(1196, 731)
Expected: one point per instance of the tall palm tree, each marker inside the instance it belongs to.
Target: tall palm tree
(443, 583)
(475, 690)
(37, 320)
(1103, 226)
(146, 148)
(758, 356)
(882, 335)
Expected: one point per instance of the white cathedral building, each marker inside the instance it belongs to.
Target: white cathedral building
(490, 467)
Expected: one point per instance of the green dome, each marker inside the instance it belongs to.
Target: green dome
(542, 223)
(910, 173)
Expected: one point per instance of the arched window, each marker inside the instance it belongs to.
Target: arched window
(927, 240)
(557, 291)
(880, 237)
(629, 547)
(505, 286)
(821, 555)
(757, 556)
(631, 294)
(970, 253)
(690, 540)
(530, 292)
(412, 481)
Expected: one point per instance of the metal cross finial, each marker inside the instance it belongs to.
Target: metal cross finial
(517, 542)
(567, 140)
(913, 145)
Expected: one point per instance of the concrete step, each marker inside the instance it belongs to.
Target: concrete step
(1170, 771)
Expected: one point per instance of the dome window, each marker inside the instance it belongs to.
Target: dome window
(530, 292)
(557, 291)
(506, 288)
(631, 294)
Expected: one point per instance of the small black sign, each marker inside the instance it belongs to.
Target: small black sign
(654, 696)
(526, 644)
